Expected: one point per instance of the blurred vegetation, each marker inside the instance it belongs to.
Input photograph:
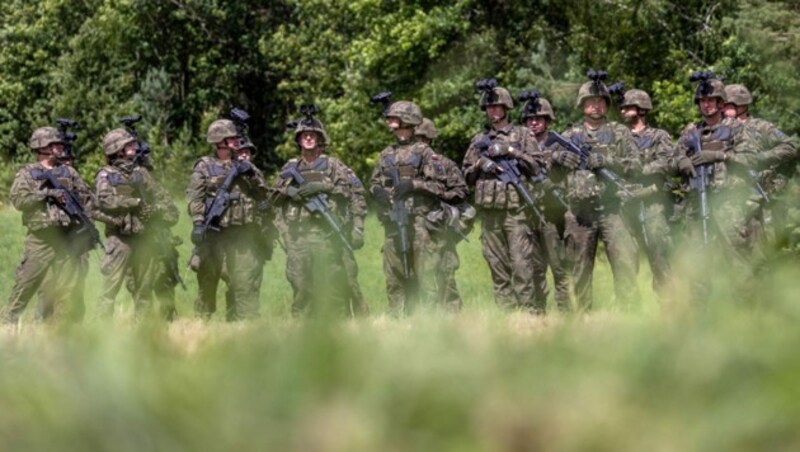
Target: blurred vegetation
(182, 63)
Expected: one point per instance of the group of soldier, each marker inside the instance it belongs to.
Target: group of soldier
(545, 200)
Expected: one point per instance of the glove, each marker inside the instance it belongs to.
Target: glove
(596, 161)
(357, 239)
(686, 167)
(566, 159)
(546, 184)
(706, 157)
(245, 167)
(310, 189)
(56, 194)
(404, 188)
(488, 166)
(291, 192)
(635, 192)
(130, 203)
(381, 196)
(498, 150)
(198, 234)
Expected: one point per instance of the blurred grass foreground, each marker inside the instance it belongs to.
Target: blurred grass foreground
(723, 376)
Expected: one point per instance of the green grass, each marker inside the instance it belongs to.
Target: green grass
(721, 377)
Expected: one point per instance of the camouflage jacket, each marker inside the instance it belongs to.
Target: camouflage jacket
(129, 200)
(415, 161)
(449, 216)
(615, 142)
(726, 136)
(658, 154)
(247, 190)
(345, 199)
(491, 193)
(776, 153)
(34, 197)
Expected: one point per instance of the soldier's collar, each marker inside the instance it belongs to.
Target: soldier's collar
(504, 131)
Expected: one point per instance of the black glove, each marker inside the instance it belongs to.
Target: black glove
(706, 157)
(198, 234)
(404, 188)
(596, 161)
(566, 159)
(686, 167)
(357, 239)
(310, 189)
(381, 196)
(244, 167)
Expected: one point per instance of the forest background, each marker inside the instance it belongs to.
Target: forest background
(183, 63)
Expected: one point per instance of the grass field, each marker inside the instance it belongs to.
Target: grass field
(724, 376)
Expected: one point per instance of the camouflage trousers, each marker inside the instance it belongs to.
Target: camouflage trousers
(315, 271)
(49, 253)
(229, 251)
(46, 306)
(422, 283)
(549, 252)
(584, 231)
(135, 262)
(358, 307)
(508, 249)
(658, 245)
(449, 264)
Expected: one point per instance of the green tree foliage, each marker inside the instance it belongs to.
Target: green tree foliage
(182, 63)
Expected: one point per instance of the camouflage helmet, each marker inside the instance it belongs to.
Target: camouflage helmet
(592, 89)
(407, 112)
(221, 129)
(637, 98)
(499, 96)
(116, 140)
(710, 88)
(44, 136)
(426, 129)
(312, 125)
(246, 143)
(738, 95)
(544, 109)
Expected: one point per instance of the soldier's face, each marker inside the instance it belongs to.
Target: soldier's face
(226, 146)
(709, 106)
(629, 113)
(244, 154)
(130, 151)
(393, 123)
(56, 149)
(308, 140)
(595, 107)
(729, 110)
(537, 124)
(495, 113)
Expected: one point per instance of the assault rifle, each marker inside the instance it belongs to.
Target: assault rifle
(700, 183)
(400, 216)
(72, 205)
(509, 174)
(317, 203)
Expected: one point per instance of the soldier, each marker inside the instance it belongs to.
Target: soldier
(224, 239)
(506, 229)
(453, 221)
(315, 196)
(776, 153)
(651, 198)
(406, 187)
(593, 199)
(538, 115)
(136, 211)
(715, 160)
(55, 240)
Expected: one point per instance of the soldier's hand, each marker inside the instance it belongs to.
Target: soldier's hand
(498, 150)
(357, 239)
(566, 159)
(312, 188)
(596, 160)
(198, 234)
(146, 211)
(245, 167)
(706, 157)
(56, 194)
(686, 167)
(137, 179)
(381, 196)
(488, 166)
(403, 188)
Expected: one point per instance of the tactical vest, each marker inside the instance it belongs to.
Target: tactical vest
(51, 214)
(719, 138)
(410, 166)
(241, 208)
(318, 171)
(493, 194)
(584, 186)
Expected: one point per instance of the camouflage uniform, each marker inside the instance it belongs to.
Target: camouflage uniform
(548, 240)
(648, 212)
(314, 265)
(506, 225)
(229, 248)
(138, 213)
(355, 227)
(419, 167)
(54, 243)
(597, 208)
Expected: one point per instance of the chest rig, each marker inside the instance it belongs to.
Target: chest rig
(492, 193)
(317, 171)
(408, 165)
(53, 214)
(584, 185)
(124, 181)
